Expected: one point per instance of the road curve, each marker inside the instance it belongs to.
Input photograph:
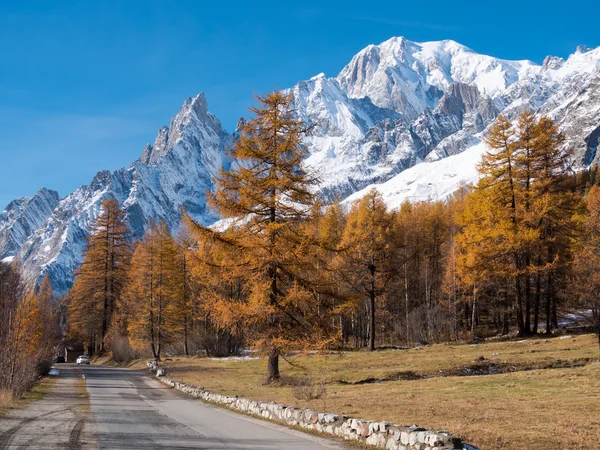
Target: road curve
(133, 411)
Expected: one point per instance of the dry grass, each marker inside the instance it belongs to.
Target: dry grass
(8, 402)
(550, 400)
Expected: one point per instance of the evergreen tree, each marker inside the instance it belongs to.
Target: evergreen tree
(555, 207)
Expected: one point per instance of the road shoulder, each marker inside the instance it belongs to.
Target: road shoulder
(60, 419)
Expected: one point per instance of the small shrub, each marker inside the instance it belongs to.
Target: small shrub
(120, 347)
(306, 389)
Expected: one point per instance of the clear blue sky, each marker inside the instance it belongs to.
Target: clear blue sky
(85, 84)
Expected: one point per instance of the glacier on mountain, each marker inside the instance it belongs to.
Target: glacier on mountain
(402, 117)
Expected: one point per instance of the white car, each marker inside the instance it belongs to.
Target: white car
(83, 359)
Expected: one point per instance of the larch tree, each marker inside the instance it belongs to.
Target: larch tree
(268, 196)
(526, 140)
(555, 208)
(367, 256)
(500, 224)
(150, 290)
(100, 279)
(180, 310)
(586, 282)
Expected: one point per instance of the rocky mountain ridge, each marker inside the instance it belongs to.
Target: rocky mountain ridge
(406, 118)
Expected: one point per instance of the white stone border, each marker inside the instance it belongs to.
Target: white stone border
(377, 434)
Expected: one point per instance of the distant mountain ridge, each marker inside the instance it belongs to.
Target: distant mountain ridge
(395, 106)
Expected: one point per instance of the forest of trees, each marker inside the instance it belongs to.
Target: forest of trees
(282, 272)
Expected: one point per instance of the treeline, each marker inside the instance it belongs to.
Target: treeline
(283, 272)
(29, 331)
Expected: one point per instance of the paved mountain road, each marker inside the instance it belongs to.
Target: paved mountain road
(61, 419)
(132, 411)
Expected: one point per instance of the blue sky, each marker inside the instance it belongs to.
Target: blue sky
(85, 84)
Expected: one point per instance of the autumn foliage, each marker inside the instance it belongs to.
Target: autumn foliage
(93, 300)
(29, 331)
(283, 273)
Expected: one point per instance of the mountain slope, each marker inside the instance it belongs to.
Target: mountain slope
(403, 117)
(22, 217)
(173, 172)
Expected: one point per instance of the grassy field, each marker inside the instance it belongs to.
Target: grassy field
(535, 394)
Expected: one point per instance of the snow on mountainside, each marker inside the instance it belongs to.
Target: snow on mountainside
(22, 217)
(436, 180)
(410, 77)
(173, 172)
(404, 117)
(438, 98)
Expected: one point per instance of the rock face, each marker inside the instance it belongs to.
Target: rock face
(173, 172)
(22, 217)
(403, 117)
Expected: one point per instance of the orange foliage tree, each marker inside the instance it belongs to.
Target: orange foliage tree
(266, 251)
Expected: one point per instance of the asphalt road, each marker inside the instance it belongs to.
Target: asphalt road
(61, 419)
(129, 410)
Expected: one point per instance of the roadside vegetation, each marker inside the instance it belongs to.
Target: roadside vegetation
(29, 332)
(514, 257)
(8, 401)
(547, 397)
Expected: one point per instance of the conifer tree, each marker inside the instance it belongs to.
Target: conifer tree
(500, 193)
(367, 258)
(149, 294)
(526, 140)
(100, 279)
(180, 310)
(268, 196)
(586, 282)
(555, 208)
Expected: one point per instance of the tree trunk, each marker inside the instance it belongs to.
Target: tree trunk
(536, 313)
(372, 309)
(473, 311)
(154, 353)
(527, 298)
(185, 341)
(518, 293)
(273, 366)
(406, 303)
(505, 323)
(548, 304)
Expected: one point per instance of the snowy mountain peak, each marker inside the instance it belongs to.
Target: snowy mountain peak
(409, 77)
(193, 117)
(552, 63)
(196, 104)
(405, 117)
(172, 173)
(582, 49)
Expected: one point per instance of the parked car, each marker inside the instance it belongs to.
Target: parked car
(83, 359)
(59, 359)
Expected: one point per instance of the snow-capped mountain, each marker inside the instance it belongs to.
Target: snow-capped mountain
(404, 117)
(22, 217)
(173, 172)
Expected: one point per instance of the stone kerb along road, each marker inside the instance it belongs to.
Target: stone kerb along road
(378, 434)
